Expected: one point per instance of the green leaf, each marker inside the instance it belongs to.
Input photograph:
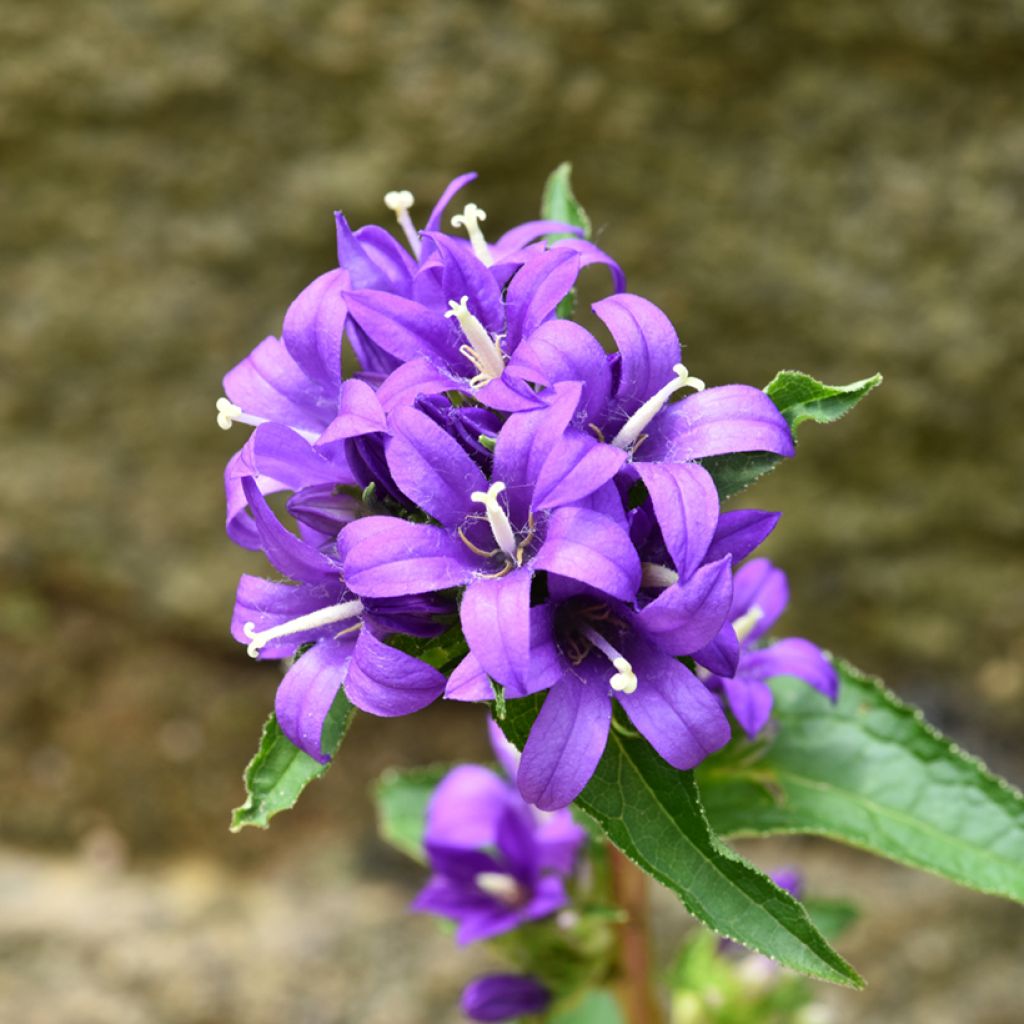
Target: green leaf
(799, 398)
(402, 798)
(872, 773)
(652, 812)
(596, 1006)
(558, 202)
(279, 771)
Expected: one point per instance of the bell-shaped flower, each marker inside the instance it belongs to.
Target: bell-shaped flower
(628, 399)
(491, 534)
(342, 635)
(504, 997)
(760, 595)
(497, 863)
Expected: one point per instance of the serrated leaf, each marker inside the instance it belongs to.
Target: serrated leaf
(279, 771)
(401, 798)
(799, 397)
(872, 773)
(652, 812)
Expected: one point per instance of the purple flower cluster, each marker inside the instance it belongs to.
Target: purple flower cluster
(487, 460)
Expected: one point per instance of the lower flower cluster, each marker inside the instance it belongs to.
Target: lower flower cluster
(492, 469)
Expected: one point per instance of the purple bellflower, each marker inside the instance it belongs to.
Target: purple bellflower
(504, 997)
(760, 595)
(275, 619)
(493, 534)
(497, 862)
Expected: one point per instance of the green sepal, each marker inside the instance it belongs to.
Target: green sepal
(280, 771)
(799, 397)
(652, 812)
(871, 772)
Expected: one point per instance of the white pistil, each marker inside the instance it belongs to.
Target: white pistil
(228, 414)
(470, 219)
(746, 622)
(312, 620)
(483, 350)
(504, 535)
(400, 203)
(657, 576)
(637, 423)
(504, 888)
(624, 680)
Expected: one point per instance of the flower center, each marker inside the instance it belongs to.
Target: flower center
(504, 535)
(228, 414)
(637, 423)
(400, 203)
(657, 576)
(504, 888)
(482, 350)
(470, 219)
(746, 622)
(624, 680)
(258, 639)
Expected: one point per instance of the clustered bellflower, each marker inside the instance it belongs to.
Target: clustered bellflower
(491, 464)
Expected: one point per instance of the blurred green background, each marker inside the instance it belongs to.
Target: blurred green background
(834, 188)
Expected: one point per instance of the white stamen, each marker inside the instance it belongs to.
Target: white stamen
(311, 620)
(502, 887)
(470, 219)
(746, 622)
(228, 414)
(657, 576)
(483, 350)
(624, 680)
(504, 535)
(400, 203)
(637, 423)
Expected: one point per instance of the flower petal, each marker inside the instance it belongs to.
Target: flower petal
(576, 466)
(647, 342)
(591, 548)
(404, 329)
(388, 682)
(503, 997)
(285, 551)
(686, 507)
(673, 709)
(717, 421)
(566, 742)
(383, 556)
(495, 616)
(451, 190)
(750, 702)
(536, 290)
(466, 807)
(763, 585)
(797, 657)
(689, 614)
(307, 692)
(313, 326)
(468, 682)
(740, 532)
(432, 468)
(560, 350)
(722, 655)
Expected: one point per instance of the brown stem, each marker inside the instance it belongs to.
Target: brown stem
(629, 885)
